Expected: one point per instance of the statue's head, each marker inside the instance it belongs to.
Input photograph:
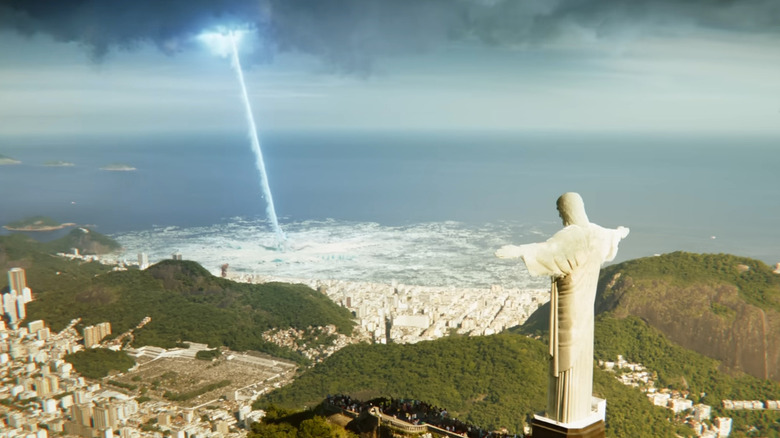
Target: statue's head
(572, 209)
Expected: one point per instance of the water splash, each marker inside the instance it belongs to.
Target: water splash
(445, 254)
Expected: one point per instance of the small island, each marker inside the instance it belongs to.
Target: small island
(37, 223)
(118, 167)
(58, 164)
(7, 160)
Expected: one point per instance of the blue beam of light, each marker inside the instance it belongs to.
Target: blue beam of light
(226, 44)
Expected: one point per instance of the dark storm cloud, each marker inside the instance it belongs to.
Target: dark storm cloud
(348, 34)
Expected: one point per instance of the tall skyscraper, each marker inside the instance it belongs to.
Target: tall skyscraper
(17, 280)
(9, 307)
(101, 416)
(94, 334)
(90, 336)
(104, 329)
(13, 302)
(82, 414)
(21, 313)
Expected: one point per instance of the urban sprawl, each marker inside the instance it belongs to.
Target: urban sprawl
(41, 393)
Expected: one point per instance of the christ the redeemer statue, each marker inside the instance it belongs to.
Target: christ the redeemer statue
(573, 258)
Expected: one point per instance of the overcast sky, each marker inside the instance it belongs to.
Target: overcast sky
(107, 66)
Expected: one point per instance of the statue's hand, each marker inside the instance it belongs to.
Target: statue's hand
(508, 252)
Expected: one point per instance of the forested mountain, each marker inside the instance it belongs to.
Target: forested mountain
(501, 380)
(85, 240)
(492, 381)
(723, 306)
(183, 299)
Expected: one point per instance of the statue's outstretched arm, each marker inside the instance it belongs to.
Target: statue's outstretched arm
(509, 252)
(608, 240)
(555, 257)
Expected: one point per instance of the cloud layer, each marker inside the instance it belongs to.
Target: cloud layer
(349, 34)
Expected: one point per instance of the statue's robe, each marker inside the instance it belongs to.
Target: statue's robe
(573, 258)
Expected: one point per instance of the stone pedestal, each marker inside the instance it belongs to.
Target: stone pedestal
(545, 428)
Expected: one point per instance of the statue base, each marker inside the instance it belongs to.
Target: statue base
(590, 427)
(542, 427)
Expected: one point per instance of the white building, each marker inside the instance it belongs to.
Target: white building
(660, 399)
(417, 321)
(702, 412)
(680, 405)
(724, 426)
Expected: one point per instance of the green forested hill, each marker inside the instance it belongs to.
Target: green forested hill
(87, 241)
(493, 381)
(44, 271)
(723, 306)
(501, 380)
(184, 300)
(755, 281)
(679, 368)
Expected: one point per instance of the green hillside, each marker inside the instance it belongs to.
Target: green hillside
(723, 306)
(756, 283)
(42, 268)
(96, 363)
(494, 381)
(679, 368)
(85, 240)
(183, 299)
(499, 381)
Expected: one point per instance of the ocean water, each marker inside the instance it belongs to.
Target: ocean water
(420, 208)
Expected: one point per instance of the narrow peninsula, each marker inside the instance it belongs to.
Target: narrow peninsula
(37, 223)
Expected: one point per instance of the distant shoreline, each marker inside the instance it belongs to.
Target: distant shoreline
(40, 228)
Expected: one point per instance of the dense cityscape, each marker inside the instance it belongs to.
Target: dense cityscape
(43, 395)
(40, 388)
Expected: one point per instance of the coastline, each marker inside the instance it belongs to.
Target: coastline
(39, 228)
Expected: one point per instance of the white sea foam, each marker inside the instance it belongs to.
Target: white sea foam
(429, 254)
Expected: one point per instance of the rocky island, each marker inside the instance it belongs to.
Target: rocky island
(37, 223)
(118, 167)
(58, 164)
(7, 160)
